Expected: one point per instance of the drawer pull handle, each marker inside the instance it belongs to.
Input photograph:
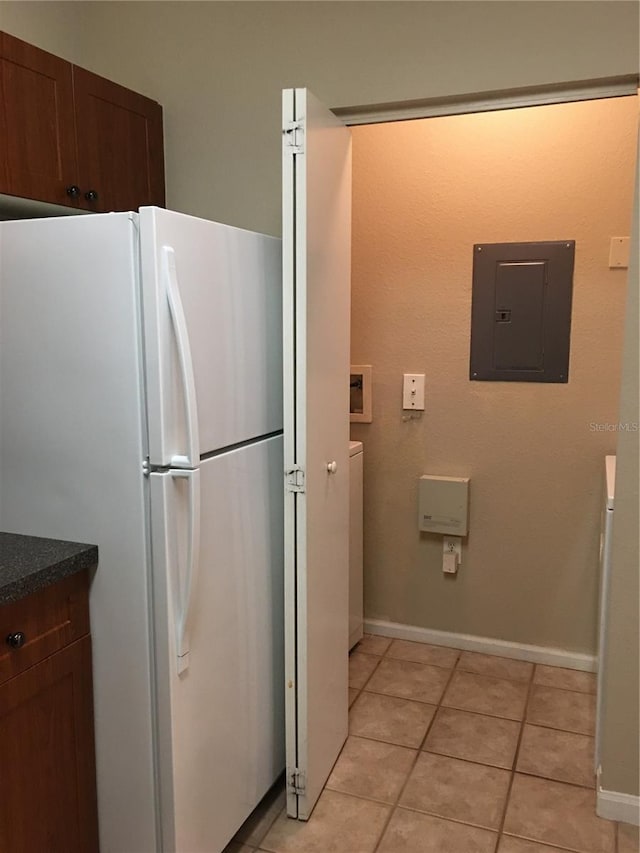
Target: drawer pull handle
(16, 639)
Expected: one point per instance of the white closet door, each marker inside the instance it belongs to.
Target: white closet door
(316, 261)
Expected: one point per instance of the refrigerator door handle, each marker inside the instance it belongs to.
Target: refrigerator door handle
(179, 324)
(183, 608)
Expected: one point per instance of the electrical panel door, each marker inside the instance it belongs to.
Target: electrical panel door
(521, 311)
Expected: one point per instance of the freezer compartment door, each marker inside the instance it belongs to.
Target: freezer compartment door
(212, 304)
(221, 718)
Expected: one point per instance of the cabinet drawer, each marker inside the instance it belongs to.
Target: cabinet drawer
(50, 619)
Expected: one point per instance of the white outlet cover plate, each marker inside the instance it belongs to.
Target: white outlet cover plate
(452, 544)
(619, 253)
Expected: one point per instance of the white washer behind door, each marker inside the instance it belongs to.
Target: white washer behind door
(356, 460)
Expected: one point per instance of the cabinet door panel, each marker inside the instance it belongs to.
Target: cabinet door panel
(48, 800)
(120, 148)
(37, 132)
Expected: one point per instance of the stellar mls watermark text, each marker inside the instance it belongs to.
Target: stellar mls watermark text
(620, 427)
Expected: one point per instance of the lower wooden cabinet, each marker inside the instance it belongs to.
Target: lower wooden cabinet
(47, 755)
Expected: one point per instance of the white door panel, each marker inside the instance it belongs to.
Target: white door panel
(213, 325)
(220, 721)
(316, 263)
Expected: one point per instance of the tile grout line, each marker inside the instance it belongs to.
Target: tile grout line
(360, 692)
(449, 819)
(542, 725)
(516, 755)
(533, 683)
(558, 729)
(532, 775)
(387, 742)
(551, 845)
(401, 791)
(564, 689)
(404, 698)
(368, 678)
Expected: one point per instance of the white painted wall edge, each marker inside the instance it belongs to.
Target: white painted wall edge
(613, 805)
(488, 645)
(507, 100)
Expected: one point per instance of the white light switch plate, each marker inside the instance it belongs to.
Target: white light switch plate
(413, 391)
(619, 253)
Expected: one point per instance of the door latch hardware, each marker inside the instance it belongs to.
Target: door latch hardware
(293, 134)
(294, 479)
(296, 782)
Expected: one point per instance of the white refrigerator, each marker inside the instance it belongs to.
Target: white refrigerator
(141, 410)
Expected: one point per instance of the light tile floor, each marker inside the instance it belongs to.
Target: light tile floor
(453, 752)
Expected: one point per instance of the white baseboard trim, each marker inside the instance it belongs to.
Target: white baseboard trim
(488, 645)
(613, 805)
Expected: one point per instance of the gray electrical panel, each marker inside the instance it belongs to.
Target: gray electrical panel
(521, 311)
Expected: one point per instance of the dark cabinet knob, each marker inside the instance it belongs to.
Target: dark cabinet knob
(16, 640)
(73, 191)
(91, 195)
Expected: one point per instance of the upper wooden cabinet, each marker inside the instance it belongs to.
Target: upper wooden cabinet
(120, 152)
(68, 136)
(37, 125)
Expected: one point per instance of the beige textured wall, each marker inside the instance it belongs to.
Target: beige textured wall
(218, 68)
(56, 27)
(621, 735)
(423, 193)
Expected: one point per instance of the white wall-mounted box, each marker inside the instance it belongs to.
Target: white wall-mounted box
(443, 505)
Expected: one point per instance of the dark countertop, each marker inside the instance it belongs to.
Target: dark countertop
(28, 563)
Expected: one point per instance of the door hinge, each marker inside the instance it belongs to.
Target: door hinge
(293, 133)
(294, 479)
(296, 782)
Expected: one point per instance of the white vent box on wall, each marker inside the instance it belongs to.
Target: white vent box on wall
(443, 505)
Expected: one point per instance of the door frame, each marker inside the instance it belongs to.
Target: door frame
(504, 99)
